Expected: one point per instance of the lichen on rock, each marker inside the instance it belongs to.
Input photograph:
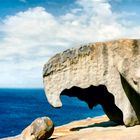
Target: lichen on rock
(40, 129)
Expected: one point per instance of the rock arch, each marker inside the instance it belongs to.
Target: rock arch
(94, 95)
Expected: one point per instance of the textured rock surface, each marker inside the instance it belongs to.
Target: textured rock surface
(96, 129)
(40, 129)
(114, 64)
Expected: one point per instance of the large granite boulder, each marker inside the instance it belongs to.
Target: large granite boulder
(106, 73)
(39, 129)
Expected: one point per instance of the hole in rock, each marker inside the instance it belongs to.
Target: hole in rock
(95, 95)
(73, 109)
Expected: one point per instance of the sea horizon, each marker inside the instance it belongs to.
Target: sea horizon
(20, 106)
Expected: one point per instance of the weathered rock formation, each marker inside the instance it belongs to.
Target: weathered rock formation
(39, 129)
(105, 73)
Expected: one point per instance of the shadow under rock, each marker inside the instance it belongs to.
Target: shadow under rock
(102, 124)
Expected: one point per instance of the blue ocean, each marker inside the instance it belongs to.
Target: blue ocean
(19, 107)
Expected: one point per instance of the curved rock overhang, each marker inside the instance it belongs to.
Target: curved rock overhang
(101, 63)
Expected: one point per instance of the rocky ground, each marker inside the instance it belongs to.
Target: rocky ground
(99, 128)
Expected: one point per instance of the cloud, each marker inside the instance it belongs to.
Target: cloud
(31, 37)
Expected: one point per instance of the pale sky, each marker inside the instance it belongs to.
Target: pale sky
(31, 31)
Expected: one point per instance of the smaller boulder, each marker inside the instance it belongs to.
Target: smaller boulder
(40, 129)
